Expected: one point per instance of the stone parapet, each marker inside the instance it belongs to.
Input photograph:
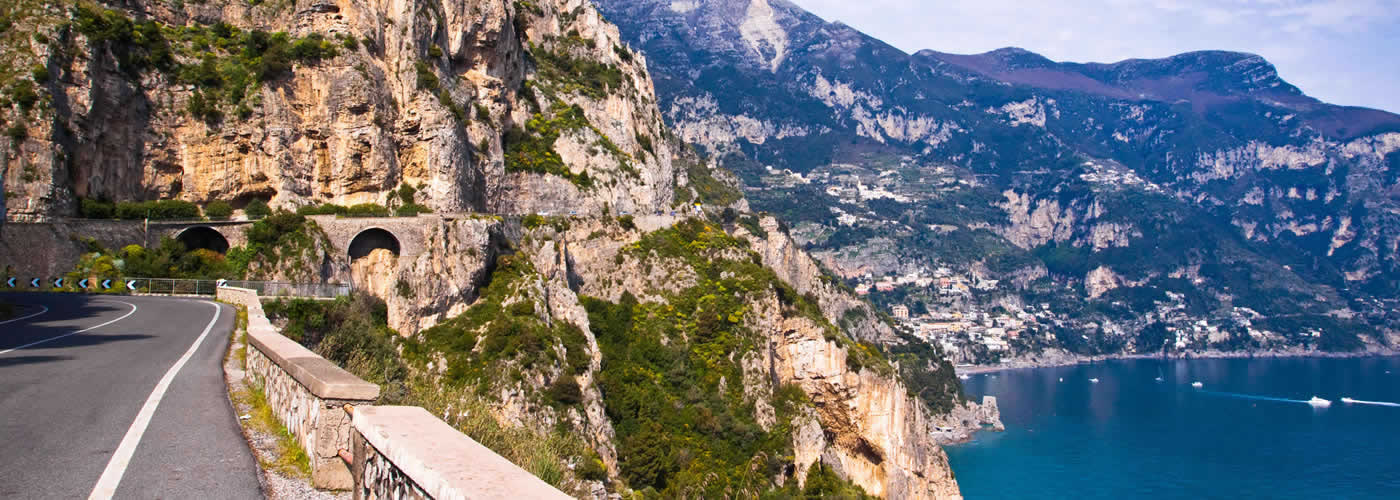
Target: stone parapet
(306, 392)
(404, 452)
(399, 452)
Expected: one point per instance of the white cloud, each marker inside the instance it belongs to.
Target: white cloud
(1337, 50)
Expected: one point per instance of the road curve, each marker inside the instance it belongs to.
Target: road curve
(74, 382)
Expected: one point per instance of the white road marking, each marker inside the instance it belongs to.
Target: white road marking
(31, 344)
(41, 306)
(116, 468)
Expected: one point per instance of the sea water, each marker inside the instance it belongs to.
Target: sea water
(1247, 433)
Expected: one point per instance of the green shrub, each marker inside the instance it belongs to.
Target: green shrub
(627, 222)
(426, 79)
(366, 210)
(565, 391)
(622, 53)
(172, 260)
(406, 193)
(532, 221)
(256, 209)
(351, 332)
(218, 210)
(532, 149)
(271, 230)
(571, 74)
(205, 109)
(322, 209)
(412, 210)
(40, 73)
(490, 337)
(96, 209)
(17, 133)
(157, 210)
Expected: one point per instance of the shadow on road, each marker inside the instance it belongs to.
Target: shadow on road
(67, 314)
(30, 360)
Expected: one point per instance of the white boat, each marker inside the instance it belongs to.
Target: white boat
(1159, 379)
(964, 376)
(1094, 380)
(1062, 379)
(1348, 400)
(1319, 402)
(1197, 384)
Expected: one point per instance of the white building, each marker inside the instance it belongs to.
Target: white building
(900, 311)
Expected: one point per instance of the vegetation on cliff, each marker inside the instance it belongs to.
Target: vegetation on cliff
(531, 149)
(353, 332)
(507, 334)
(284, 244)
(731, 275)
(223, 63)
(675, 393)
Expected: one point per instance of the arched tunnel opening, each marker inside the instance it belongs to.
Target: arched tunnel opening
(373, 239)
(203, 238)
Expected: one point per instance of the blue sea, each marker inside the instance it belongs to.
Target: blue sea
(1248, 433)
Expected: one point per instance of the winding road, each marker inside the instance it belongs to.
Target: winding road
(119, 397)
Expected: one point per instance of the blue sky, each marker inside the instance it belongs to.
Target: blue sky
(1340, 51)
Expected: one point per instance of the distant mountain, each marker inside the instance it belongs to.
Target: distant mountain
(1203, 174)
(1206, 80)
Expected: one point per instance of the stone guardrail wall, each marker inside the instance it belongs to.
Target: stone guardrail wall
(406, 452)
(307, 393)
(399, 452)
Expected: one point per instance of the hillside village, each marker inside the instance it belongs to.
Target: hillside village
(976, 316)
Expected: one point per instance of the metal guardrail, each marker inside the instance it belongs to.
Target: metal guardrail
(167, 286)
(287, 289)
(210, 287)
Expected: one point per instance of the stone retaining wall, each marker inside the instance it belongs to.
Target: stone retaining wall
(404, 452)
(306, 392)
(399, 452)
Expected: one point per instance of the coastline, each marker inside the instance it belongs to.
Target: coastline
(1061, 358)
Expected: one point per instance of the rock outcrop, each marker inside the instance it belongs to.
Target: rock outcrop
(864, 421)
(423, 93)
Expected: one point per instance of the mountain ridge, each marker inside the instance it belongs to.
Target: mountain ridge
(1013, 168)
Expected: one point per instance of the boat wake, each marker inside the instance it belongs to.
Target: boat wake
(1256, 398)
(1372, 403)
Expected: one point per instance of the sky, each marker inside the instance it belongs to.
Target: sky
(1340, 51)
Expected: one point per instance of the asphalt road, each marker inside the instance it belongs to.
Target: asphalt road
(69, 405)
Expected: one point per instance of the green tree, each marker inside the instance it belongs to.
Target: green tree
(218, 210)
(257, 209)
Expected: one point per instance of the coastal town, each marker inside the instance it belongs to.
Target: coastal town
(961, 314)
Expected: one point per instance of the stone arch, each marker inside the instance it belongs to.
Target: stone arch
(203, 237)
(372, 239)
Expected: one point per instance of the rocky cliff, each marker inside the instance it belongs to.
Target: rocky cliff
(486, 106)
(873, 431)
(691, 358)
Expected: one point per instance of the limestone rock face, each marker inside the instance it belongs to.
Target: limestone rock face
(795, 267)
(351, 128)
(438, 283)
(881, 436)
(1036, 222)
(863, 423)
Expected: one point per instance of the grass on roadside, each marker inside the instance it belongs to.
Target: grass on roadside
(240, 333)
(291, 459)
